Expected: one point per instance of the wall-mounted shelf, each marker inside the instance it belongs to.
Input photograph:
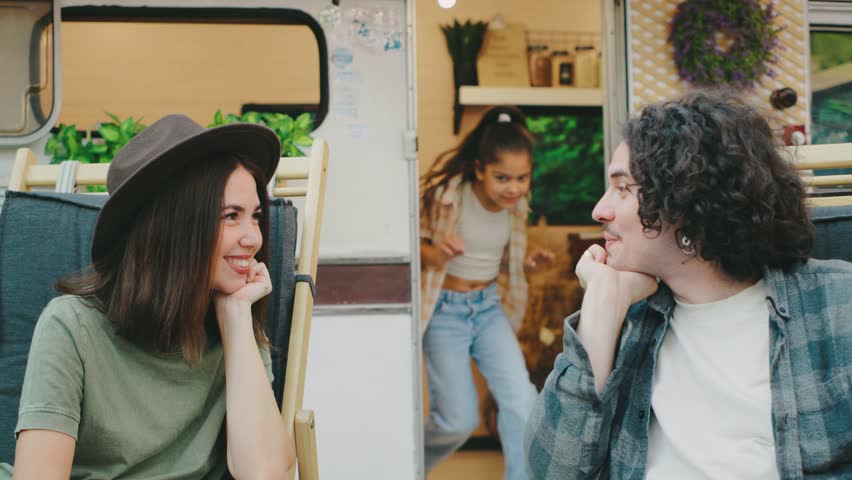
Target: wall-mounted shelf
(525, 96)
(561, 96)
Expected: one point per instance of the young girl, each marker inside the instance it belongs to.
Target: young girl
(156, 365)
(473, 241)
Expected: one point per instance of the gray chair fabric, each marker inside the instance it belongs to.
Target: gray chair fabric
(41, 238)
(833, 226)
(282, 270)
(46, 235)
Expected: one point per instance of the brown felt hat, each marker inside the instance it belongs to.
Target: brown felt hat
(164, 149)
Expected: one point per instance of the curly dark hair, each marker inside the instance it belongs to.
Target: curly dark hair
(709, 164)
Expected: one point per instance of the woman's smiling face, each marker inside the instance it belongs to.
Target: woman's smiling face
(239, 232)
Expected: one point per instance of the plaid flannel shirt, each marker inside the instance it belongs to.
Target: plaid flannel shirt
(442, 220)
(574, 433)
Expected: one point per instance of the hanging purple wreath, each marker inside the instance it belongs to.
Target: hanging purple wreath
(701, 61)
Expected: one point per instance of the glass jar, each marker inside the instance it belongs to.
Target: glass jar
(562, 69)
(587, 73)
(539, 61)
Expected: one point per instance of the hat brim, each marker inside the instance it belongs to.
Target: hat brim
(256, 143)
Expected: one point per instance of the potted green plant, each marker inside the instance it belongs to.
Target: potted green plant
(67, 143)
(463, 42)
(293, 133)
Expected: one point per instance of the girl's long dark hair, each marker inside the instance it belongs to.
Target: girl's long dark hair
(493, 134)
(155, 283)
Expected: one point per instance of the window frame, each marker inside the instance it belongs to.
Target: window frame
(56, 82)
(829, 13)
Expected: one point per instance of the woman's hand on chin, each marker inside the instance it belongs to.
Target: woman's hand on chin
(258, 285)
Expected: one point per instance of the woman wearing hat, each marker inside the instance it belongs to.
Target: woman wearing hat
(155, 364)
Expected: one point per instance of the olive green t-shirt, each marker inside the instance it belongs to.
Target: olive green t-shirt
(134, 414)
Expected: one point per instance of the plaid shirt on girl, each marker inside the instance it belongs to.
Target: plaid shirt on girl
(443, 220)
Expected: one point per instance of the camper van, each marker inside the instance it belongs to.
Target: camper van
(378, 84)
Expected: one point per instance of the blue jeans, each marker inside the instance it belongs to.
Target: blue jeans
(464, 325)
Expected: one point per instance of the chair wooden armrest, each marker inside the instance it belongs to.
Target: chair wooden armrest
(306, 445)
(809, 158)
(313, 170)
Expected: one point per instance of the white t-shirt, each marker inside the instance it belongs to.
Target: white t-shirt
(485, 234)
(711, 401)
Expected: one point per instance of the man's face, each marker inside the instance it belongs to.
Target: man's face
(628, 246)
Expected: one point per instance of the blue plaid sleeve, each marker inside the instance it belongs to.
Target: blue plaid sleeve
(567, 435)
(812, 370)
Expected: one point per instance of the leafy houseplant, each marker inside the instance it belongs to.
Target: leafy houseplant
(68, 143)
(292, 133)
(463, 42)
(568, 162)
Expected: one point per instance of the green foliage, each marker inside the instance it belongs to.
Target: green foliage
(830, 116)
(831, 108)
(568, 173)
(68, 144)
(464, 39)
(292, 133)
(830, 49)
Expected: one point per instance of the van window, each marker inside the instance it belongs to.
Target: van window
(27, 88)
(140, 62)
(149, 62)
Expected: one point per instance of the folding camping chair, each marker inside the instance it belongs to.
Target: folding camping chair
(831, 209)
(52, 231)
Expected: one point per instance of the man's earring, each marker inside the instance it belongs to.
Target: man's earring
(686, 245)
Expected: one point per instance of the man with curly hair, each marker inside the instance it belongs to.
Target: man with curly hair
(708, 345)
